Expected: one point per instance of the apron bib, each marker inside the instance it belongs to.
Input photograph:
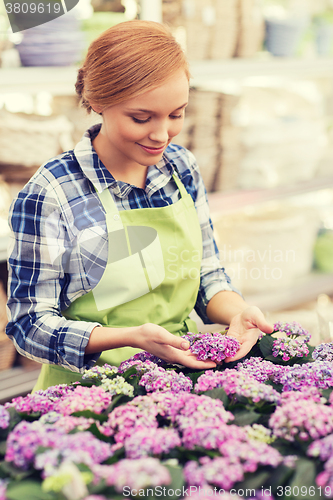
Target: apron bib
(152, 276)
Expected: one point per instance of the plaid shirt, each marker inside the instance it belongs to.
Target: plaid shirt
(59, 245)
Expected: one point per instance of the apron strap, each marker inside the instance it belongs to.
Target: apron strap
(113, 216)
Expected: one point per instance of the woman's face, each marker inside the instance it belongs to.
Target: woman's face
(137, 131)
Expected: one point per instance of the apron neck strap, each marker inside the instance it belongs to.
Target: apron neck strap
(110, 206)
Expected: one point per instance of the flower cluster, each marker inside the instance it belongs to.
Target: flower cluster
(318, 374)
(301, 419)
(323, 352)
(143, 442)
(292, 329)
(159, 379)
(41, 401)
(133, 474)
(262, 370)
(4, 417)
(323, 448)
(82, 398)
(237, 382)
(100, 372)
(289, 348)
(214, 346)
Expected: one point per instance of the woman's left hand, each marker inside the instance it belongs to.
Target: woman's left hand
(246, 328)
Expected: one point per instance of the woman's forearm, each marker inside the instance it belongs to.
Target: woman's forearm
(224, 306)
(103, 338)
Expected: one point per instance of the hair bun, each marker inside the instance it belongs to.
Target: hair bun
(79, 88)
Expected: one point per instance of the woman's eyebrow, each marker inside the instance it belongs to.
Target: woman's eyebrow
(132, 110)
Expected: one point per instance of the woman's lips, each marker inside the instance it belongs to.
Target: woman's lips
(152, 151)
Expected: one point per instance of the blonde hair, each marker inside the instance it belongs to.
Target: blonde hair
(126, 61)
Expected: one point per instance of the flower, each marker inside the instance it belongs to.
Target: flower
(4, 417)
(292, 329)
(237, 382)
(69, 481)
(221, 472)
(301, 419)
(99, 372)
(23, 443)
(318, 374)
(82, 398)
(41, 401)
(214, 346)
(262, 370)
(133, 474)
(323, 352)
(160, 379)
(290, 348)
(143, 442)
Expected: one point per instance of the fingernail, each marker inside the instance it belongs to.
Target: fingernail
(185, 345)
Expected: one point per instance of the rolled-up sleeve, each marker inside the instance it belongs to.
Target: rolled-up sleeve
(37, 284)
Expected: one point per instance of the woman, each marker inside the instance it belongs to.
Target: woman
(112, 242)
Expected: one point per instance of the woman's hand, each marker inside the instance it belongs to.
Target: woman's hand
(246, 327)
(173, 349)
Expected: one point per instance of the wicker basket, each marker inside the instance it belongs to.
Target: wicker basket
(7, 352)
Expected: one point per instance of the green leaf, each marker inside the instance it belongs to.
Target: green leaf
(278, 477)
(28, 490)
(266, 345)
(101, 417)
(9, 470)
(253, 482)
(305, 475)
(218, 393)
(3, 447)
(177, 481)
(245, 417)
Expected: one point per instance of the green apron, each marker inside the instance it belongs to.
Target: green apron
(152, 276)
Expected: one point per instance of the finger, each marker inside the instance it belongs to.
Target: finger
(174, 341)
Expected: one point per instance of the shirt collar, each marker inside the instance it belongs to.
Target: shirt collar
(157, 175)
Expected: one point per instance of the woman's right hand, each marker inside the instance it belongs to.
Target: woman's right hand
(171, 348)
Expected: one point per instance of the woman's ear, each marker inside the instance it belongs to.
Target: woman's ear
(96, 108)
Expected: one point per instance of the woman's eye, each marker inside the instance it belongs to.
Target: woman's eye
(137, 120)
(175, 117)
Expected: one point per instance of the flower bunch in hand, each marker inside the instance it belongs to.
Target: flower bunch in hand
(215, 346)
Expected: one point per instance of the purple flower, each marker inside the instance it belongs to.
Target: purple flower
(23, 443)
(237, 382)
(82, 398)
(221, 472)
(301, 419)
(163, 380)
(4, 417)
(41, 401)
(134, 474)
(290, 348)
(143, 442)
(124, 420)
(214, 346)
(318, 374)
(323, 352)
(292, 329)
(323, 448)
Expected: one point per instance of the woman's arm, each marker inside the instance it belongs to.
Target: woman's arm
(149, 337)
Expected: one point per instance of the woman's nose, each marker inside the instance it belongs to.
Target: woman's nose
(159, 133)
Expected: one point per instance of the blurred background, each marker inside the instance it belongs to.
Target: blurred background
(260, 123)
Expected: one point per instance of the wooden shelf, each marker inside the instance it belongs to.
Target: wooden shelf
(230, 201)
(61, 80)
(16, 382)
(304, 290)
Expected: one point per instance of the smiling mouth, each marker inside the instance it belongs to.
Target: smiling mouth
(152, 150)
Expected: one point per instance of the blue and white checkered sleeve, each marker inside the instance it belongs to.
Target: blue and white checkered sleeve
(38, 282)
(213, 277)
